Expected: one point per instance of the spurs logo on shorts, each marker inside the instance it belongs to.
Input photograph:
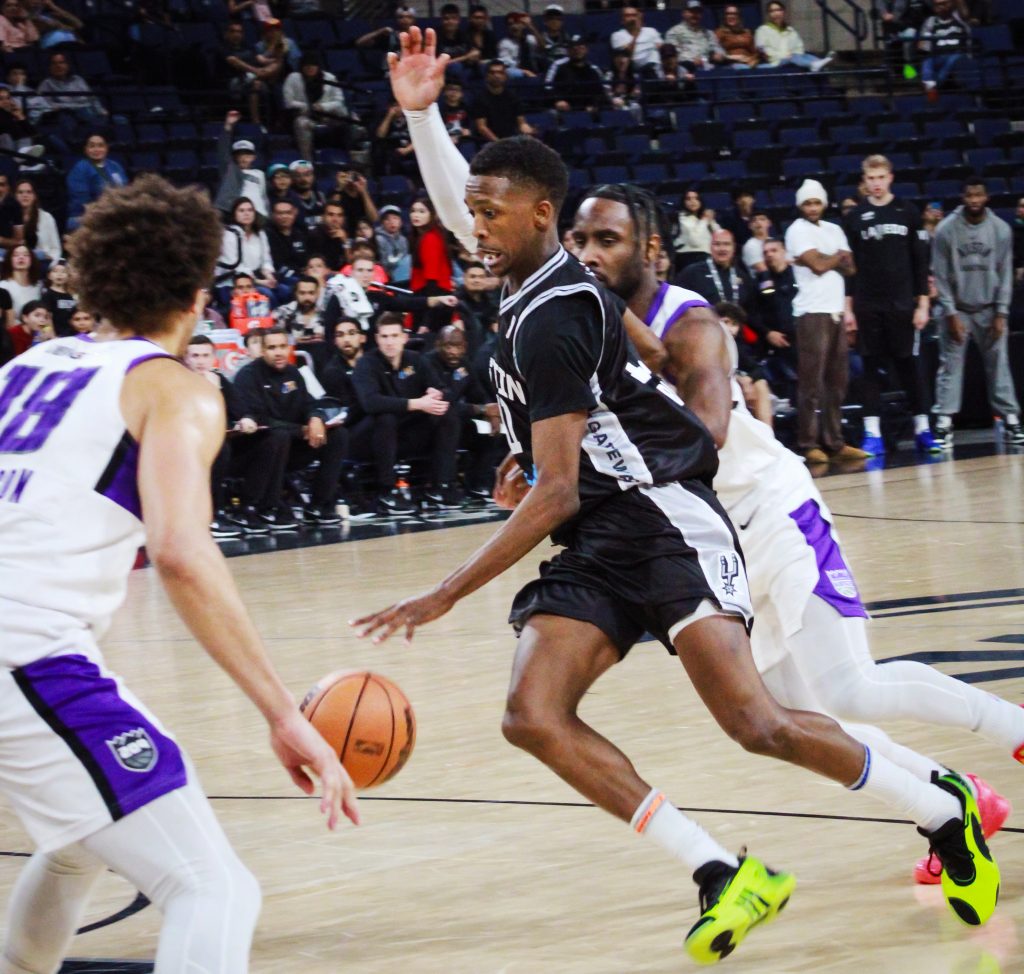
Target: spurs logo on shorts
(729, 568)
(134, 750)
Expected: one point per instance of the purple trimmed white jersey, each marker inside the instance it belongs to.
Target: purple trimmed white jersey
(70, 516)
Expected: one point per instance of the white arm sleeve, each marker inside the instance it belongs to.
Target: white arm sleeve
(444, 172)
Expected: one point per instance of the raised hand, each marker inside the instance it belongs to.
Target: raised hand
(417, 75)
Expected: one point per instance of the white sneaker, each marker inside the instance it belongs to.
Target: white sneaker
(822, 62)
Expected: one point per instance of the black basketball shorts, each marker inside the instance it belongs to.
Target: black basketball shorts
(643, 561)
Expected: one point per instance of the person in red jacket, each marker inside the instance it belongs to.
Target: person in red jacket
(431, 263)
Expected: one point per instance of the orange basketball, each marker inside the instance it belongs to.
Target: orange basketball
(366, 719)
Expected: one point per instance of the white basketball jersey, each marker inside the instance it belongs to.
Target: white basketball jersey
(70, 516)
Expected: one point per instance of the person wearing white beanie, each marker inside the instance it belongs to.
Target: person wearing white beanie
(821, 258)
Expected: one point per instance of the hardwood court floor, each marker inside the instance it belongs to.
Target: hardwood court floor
(477, 859)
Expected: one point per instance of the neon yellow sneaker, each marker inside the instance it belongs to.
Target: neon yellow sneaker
(970, 876)
(732, 902)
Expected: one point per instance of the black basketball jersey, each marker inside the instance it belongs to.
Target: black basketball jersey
(891, 251)
(562, 348)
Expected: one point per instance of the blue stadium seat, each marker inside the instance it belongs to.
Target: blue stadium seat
(792, 168)
(935, 158)
(897, 130)
(185, 160)
(733, 112)
(779, 109)
(633, 145)
(731, 168)
(978, 158)
(846, 132)
(652, 172)
(996, 39)
(144, 161)
(610, 174)
(986, 129)
(942, 189)
(845, 163)
(797, 136)
(751, 138)
(149, 133)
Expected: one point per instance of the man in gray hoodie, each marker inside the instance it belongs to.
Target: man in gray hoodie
(972, 260)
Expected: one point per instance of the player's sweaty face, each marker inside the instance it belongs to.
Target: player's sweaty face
(606, 242)
(503, 221)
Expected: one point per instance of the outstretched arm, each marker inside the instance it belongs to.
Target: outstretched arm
(417, 77)
(178, 419)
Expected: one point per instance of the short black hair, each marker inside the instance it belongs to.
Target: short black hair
(728, 309)
(475, 8)
(306, 279)
(240, 275)
(449, 8)
(644, 210)
(973, 181)
(525, 161)
(276, 330)
(29, 306)
(200, 340)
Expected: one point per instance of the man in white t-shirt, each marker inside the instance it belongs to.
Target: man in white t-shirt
(643, 43)
(753, 250)
(821, 259)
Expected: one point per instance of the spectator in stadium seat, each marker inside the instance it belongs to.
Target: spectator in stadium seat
(335, 374)
(279, 184)
(554, 41)
(621, 79)
(20, 275)
(718, 278)
(358, 296)
(317, 267)
(60, 302)
(10, 214)
(245, 247)
(83, 322)
(353, 195)
(671, 71)
(663, 266)
(208, 318)
(431, 260)
(945, 38)
(448, 364)
(316, 102)
(901, 20)
(258, 10)
(16, 131)
(393, 245)
(392, 147)
(35, 325)
(480, 34)
(478, 304)
(69, 98)
(38, 228)
(239, 69)
(932, 216)
(780, 45)
(386, 39)
(301, 316)
(752, 253)
(289, 246)
(453, 39)
(822, 258)
(273, 393)
(847, 205)
(698, 47)
(16, 27)
(55, 24)
(276, 53)
(641, 42)
(498, 112)
(576, 83)
(328, 238)
(737, 218)
(239, 175)
(404, 414)
(519, 49)
(750, 375)
(776, 290)
(737, 40)
(695, 225)
(973, 267)
(91, 175)
(455, 111)
(311, 200)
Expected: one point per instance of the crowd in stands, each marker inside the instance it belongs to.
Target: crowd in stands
(344, 325)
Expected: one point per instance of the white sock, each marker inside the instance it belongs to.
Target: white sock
(919, 765)
(658, 819)
(1012, 419)
(920, 423)
(943, 422)
(872, 426)
(925, 804)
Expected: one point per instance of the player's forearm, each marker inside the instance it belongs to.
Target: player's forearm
(444, 171)
(543, 509)
(204, 594)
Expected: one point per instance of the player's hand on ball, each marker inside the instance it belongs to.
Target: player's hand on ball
(299, 746)
(409, 613)
(510, 484)
(417, 76)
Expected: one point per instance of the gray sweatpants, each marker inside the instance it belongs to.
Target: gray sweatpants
(949, 381)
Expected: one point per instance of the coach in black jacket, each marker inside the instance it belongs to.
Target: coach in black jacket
(272, 393)
(405, 414)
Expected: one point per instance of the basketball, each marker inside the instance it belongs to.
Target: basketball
(366, 719)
